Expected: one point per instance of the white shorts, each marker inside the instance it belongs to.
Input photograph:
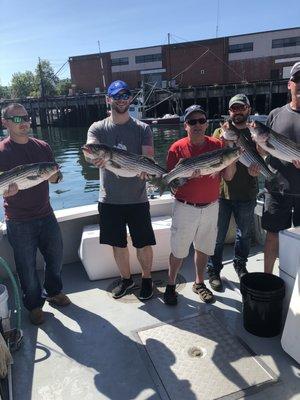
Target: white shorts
(194, 225)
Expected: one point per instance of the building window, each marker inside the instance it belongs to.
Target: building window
(148, 58)
(241, 47)
(119, 61)
(287, 42)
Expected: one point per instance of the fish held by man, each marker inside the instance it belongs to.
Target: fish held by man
(27, 176)
(274, 143)
(122, 162)
(251, 156)
(208, 163)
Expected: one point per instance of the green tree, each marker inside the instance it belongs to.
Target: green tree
(5, 92)
(63, 86)
(23, 84)
(46, 78)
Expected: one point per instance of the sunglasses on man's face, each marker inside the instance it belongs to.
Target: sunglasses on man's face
(18, 119)
(121, 96)
(193, 122)
(240, 107)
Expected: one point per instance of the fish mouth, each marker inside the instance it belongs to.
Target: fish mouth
(86, 149)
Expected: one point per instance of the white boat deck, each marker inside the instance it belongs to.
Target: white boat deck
(89, 350)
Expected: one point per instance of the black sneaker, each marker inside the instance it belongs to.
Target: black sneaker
(122, 288)
(170, 295)
(146, 289)
(215, 281)
(240, 269)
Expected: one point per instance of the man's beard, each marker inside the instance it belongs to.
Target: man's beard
(119, 110)
(239, 118)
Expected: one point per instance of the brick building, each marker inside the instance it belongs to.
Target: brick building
(262, 56)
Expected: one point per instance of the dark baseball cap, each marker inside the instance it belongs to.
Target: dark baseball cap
(191, 109)
(295, 69)
(239, 99)
(116, 86)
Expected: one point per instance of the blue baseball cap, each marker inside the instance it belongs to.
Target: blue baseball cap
(116, 86)
(191, 109)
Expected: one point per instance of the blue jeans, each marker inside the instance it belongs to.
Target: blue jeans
(26, 237)
(243, 212)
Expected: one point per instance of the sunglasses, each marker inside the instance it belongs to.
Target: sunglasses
(193, 122)
(121, 96)
(240, 107)
(18, 119)
(295, 79)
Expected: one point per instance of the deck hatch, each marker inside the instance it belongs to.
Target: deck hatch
(197, 358)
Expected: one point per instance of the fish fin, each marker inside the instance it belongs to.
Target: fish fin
(142, 157)
(115, 164)
(160, 183)
(179, 161)
(32, 177)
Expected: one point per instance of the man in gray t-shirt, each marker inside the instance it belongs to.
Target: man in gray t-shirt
(123, 201)
(278, 208)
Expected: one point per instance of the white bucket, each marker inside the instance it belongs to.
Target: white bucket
(3, 302)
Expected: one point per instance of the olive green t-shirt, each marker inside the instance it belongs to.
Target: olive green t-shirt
(242, 187)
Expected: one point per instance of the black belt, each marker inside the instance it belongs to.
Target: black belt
(193, 204)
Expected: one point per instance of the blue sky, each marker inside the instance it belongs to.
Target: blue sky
(58, 29)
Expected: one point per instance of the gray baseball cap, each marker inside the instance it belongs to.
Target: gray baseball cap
(192, 109)
(239, 99)
(295, 69)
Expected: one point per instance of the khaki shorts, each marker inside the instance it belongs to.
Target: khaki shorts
(194, 225)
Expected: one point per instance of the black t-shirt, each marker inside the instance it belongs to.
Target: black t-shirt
(286, 121)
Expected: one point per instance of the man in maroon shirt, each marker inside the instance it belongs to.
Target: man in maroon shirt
(195, 212)
(30, 220)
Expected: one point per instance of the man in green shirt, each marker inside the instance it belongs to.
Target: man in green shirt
(237, 196)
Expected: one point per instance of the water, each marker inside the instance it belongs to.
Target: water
(81, 180)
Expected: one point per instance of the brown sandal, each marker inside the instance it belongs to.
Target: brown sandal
(204, 293)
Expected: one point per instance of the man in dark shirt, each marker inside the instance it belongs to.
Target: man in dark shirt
(280, 211)
(30, 220)
(237, 197)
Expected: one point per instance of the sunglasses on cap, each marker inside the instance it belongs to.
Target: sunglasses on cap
(238, 107)
(121, 96)
(193, 122)
(18, 119)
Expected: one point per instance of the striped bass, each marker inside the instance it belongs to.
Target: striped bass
(27, 175)
(274, 143)
(250, 155)
(205, 164)
(122, 162)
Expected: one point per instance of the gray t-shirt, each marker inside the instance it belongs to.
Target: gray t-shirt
(286, 121)
(130, 136)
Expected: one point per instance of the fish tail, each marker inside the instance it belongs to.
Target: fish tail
(160, 183)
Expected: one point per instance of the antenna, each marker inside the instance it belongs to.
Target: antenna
(101, 66)
(218, 11)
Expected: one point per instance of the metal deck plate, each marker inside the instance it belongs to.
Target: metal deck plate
(197, 358)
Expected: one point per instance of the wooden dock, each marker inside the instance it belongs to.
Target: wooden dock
(82, 110)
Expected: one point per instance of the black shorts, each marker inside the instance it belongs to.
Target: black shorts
(115, 217)
(280, 211)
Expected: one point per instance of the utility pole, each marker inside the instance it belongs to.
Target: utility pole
(102, 76)
(41, 80)
(169, 62)
(218, 10)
